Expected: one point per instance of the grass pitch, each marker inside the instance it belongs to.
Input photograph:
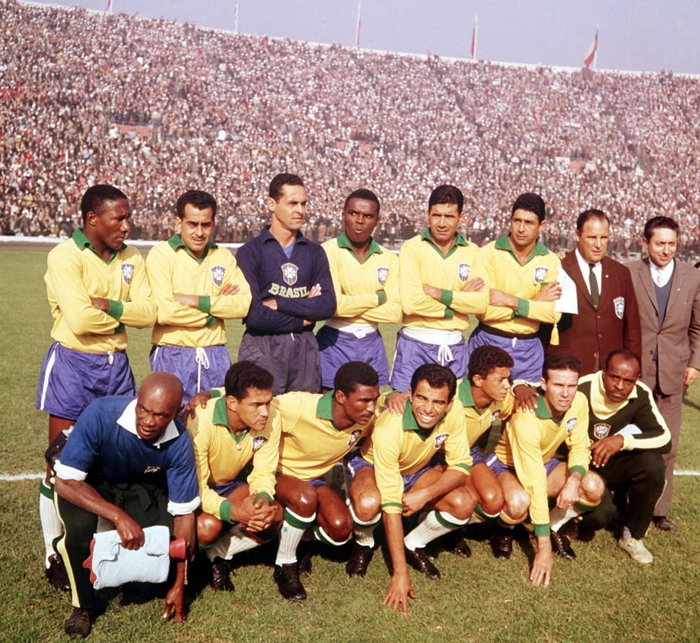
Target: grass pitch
(602, 595)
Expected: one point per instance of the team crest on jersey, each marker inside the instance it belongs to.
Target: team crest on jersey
(217, 275)
(619, 304)
(258, 442)
(382, 274)
(127, 272)
(601, 430)
(440, 440)
(152, 469)
(464, 270)
(570, 424)
(290, 273)
(541, 274)
(354, 437)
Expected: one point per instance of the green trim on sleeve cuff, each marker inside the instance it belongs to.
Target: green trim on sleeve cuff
(381, 297)
(464, 468)
(116, 308)
(262, 494)
(216, 392)
(578, 469)
(449, 313)
(204, 303)
(541, 530)
(392, 507)
(119, 329)
(523, 308)
(225, 511)
(446, 297)
(210, 321)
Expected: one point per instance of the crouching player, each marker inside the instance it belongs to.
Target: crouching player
(394, 475)
(318, 431)
(529, 473)
(231, 435)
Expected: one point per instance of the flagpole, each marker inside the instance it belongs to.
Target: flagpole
(476, 22)
(235, 20)
(359, 24)
(595, 55)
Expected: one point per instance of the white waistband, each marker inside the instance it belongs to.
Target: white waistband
(435, 336)
(359, 329)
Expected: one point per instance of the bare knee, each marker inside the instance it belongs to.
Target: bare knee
(592, 487)
(366, 506)
(304, 503)
(491, 501)
(458, 503)
(208, 528)
(517, 504)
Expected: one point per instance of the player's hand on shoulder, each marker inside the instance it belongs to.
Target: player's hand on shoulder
(200, 400)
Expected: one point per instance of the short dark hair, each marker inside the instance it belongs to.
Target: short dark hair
(436, 376)
(485, 359)
(660, 222)
(96, 195)
(276, 185)
(590, 214)
(447, 194)
(532, 203)
(197, 198)
(353, 374)
(626, 353)
(362, 193)
(560, 362)
(243, 376)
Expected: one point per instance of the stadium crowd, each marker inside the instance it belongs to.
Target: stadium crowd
(157, 107)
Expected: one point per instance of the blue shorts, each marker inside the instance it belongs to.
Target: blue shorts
(527, 353)
(225, 489)
(291, 358)
(356, 464)
(498, 467)
(182, 362)
(71, 379)
(477, 455)
(410, 354)
(337, 348)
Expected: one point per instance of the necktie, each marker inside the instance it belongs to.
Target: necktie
(595, 293)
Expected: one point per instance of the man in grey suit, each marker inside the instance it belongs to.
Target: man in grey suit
(668, 294)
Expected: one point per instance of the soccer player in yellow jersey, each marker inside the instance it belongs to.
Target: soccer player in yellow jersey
(97, 286)
(366, 281)
(529, 473)
(396, 475)
(317, 431)
(196, 285)
(230, 436)
(522, 277)
(440, 283)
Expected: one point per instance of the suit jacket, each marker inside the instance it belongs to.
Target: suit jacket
(678, 340)
(597, 332)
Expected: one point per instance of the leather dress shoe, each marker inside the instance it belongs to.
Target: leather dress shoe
(287, 579)
(561, 545)
(419, 560)
(359, 560)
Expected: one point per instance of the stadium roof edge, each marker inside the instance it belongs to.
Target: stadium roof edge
(529, 66)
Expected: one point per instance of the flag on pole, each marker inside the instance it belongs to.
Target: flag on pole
(590, 56)
(473, 49)
(359, 24)
(109, 5)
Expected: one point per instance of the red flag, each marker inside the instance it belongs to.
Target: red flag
(473, 49)
(592, 51)
(109, 5)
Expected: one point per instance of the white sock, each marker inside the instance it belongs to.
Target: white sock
(51, 525)
(626, 533)
(293, 528)
(363, 530)
(231, 543)
(559, 517)
(436, 524)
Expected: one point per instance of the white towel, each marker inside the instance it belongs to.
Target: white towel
(113, 565)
